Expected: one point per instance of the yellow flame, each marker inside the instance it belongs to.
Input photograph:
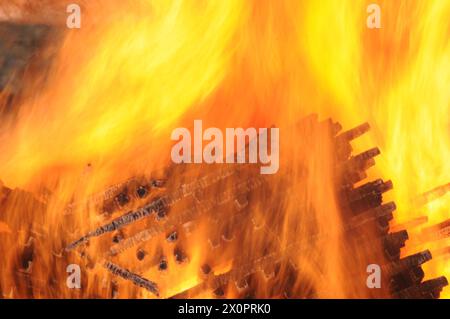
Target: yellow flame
(128, 73)
(398, 78)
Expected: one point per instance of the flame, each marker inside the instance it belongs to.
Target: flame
(395, 76)
(138, 69)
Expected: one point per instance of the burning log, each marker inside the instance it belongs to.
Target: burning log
(367, 196)
(216, 283)
(139, 188)
(155, 206)
(429, 289)
(134, 278)
(409, 262)
(353, 170)
(159, 206)
(343, 147)
(393, 242)
(382, 212)
(408, 278)
(367, 189)
(353, 133)
(186, 216)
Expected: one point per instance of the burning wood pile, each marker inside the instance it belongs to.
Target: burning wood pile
(164, 212)
(366, 228)
(135, 225)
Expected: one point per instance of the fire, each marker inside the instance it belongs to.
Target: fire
(396, 77)
(137, 69)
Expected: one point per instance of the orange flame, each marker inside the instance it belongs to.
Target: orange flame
(139, 68)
